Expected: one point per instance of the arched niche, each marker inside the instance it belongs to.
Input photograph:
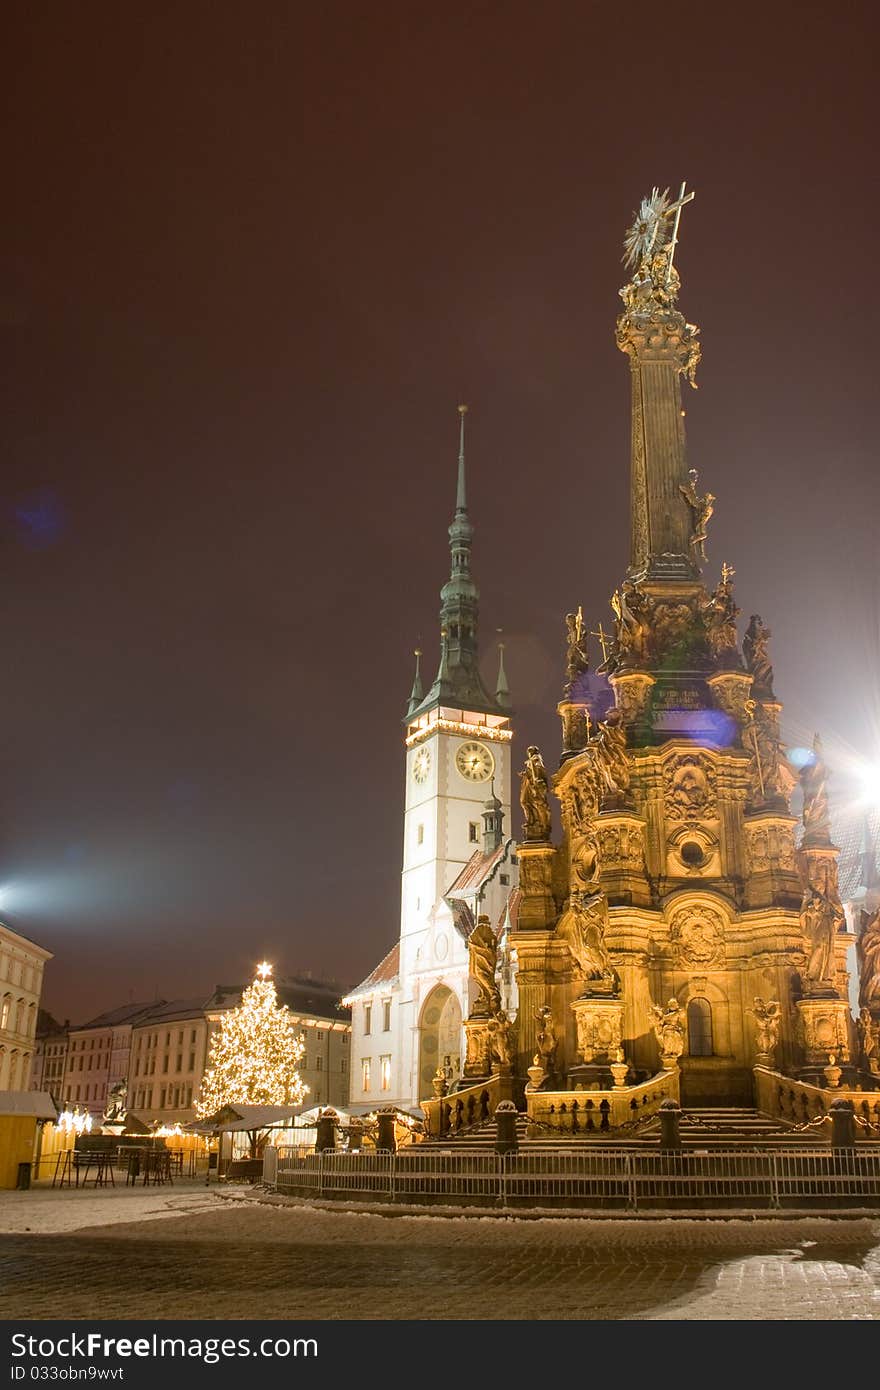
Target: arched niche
(439, 1037)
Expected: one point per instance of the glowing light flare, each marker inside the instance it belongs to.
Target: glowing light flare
(869, 779)
(75, 1121)
(264, 970)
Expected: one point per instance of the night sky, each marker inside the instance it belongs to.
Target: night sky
(254, 257)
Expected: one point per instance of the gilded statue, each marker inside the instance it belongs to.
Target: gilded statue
(668, 1024)
(821, 919)
(534, 797)
(767, 1016)
(868, 957)
(577, 661)
(868, 1032)
(701, 509)
(482, 964)
(501, 1040)
(584, 857)
(546, 1039)
(814, 779)
(608, 749)
(756, 656)
(720, 614)
(582, 928)
(117, 1103)
(630, 605)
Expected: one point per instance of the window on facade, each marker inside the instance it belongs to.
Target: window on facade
(504, 880)
(473, 831)
(319, 1035)
(420, 834)
(162, 1094)
(192, 1036)
(368, 1019)
(4, 1010)
(342, 1066)
(385, 1066)
(699, 1022)
(192, 1061)
(319, 1064)
(179, 1066)
(165, 1063)
(386, 1015)
(180, 1036)
(366, 1066)
(344, 1039)
(77, 1093)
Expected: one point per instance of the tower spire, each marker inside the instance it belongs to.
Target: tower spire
(458, 682)
(417, 693)
(461, 495)
(502, 689)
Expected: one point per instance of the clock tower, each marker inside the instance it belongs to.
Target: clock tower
(456, 858)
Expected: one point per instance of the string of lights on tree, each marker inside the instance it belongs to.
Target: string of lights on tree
(256, 1054)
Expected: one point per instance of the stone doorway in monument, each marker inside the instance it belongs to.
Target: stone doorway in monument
(439, 1038)
(712, 1076)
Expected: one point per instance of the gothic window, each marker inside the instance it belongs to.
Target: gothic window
(473, 831)
(699, 1021)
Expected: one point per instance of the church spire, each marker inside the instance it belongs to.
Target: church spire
(417, 692)
(502, 689)
(458, 682)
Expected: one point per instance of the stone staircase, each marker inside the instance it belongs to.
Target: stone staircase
(702, 1127)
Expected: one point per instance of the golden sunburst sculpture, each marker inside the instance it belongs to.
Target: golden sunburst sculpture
(650, 229)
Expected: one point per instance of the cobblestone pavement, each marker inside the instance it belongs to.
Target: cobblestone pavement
(244, 1259)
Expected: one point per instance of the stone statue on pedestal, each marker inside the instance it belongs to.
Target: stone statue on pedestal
(534, 798)
(582, 928)
(720, 614)
(868, 957)
(821, 919)
(701, 509)
(669, 1029)
(767, 1016)
(577, 661)
(814, 779)
(755, 653)
(482, 964)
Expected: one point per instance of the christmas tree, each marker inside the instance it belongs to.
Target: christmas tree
(255, 1056)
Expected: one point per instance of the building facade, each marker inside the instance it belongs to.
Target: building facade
(98, 1058)
(458, 863)
(21, 981)
(50, 1056)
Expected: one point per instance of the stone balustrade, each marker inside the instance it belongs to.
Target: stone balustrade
(799, 1102)
(598, 1111)
(460, 1110)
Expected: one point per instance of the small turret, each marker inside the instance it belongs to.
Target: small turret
(493, 822)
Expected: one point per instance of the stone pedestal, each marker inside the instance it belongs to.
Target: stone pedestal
(731, 690)
(575, 718)
(537, 906)
(632, 693)
(770, 867)
(599, 1020)
(478, 1061)
(822, 1027)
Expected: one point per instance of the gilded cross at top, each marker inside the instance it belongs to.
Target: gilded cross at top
(676, 207)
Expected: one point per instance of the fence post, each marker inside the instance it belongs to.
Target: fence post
(387, 1140)
(670, 1124)
(325, 1137)
(505, 1128)
(843, 1129)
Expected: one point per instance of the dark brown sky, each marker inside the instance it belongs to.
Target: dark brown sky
(254, 257)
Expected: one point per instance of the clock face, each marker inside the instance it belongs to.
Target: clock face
(422, 765)
(475, 762)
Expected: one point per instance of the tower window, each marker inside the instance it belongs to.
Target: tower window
(504, 879)
(473, 832)
(699, 1022)
(420, 834)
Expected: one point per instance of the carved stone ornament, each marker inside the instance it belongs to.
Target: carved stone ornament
(697, 937)
(769, 846)
(822, 1028)
(535, 873)
(690, 788)
(599, 1028)
(478, 1060)
(868, 958)
(582, 927)
(631, 693)
(622, 846)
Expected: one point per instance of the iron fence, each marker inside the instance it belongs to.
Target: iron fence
(662, 1179)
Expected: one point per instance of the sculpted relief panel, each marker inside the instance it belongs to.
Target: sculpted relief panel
(689, 788)
(697, 937)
